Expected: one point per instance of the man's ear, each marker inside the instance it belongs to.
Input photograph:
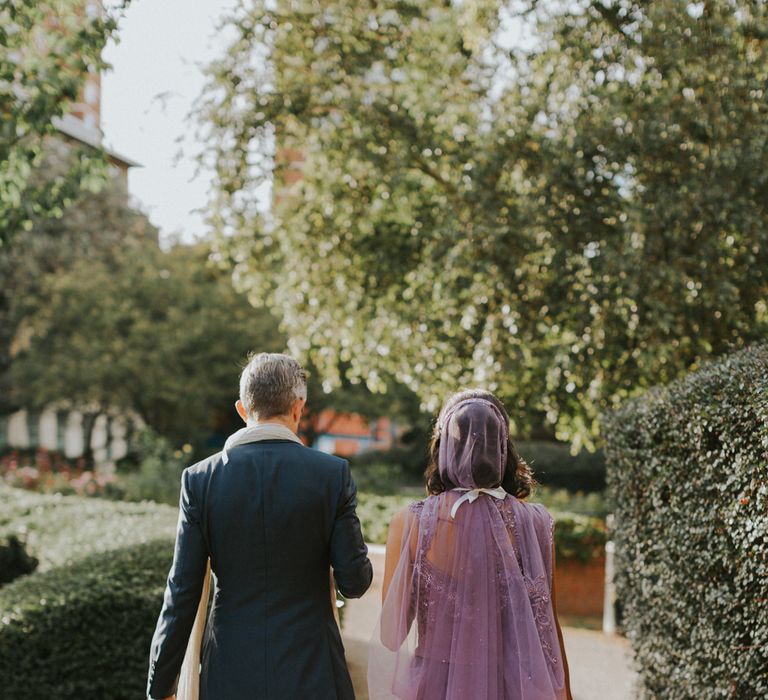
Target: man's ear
(298, 408)
(241, 410)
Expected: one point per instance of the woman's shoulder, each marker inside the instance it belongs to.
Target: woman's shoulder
(414, 507)
(408, 514)
(538, 512)
(407, 511)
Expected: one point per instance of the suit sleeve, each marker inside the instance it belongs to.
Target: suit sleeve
(349, 556)
(181, 600)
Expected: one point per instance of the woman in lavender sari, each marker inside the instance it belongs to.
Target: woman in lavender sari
(468, 595)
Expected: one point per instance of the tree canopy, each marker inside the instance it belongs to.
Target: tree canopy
(564, 203)
(154, 333)
(95, 315)
(96, 227)
(47, 49)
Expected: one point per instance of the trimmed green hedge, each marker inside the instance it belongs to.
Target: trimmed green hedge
(83, 630)
(688, 476)
(61, 529)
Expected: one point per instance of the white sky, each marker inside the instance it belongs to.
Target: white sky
(156, 77)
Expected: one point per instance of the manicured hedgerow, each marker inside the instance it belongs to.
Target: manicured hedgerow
(83, 630)
(61, 529)
(688, 477)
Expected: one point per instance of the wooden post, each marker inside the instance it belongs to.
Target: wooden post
(609, 598)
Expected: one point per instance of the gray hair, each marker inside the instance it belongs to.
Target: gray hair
(270, 384)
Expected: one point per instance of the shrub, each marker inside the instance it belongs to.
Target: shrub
(554, 465)
(375, 513)
(15, 561)
(83, 630)
(688, 475)
(60, 529)
(386, 479)
(47, 471)
(157, 476)
(578, 537)
(410, 458)
(563, 501)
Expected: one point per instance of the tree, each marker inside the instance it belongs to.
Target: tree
(47, 49)
(97, 227)
(157, 334)
(564, 220)
(60, 330)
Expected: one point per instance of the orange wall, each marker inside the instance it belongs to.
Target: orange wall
(579, 587)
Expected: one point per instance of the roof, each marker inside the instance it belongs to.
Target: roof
(76, 129)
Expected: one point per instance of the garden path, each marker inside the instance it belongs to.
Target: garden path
(600, 665)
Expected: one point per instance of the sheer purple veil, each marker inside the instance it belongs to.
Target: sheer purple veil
(473, 444)
(468, 611)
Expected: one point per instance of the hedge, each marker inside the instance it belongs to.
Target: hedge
(554, 466)
(83, 630)
(62, 529)
(688, 477)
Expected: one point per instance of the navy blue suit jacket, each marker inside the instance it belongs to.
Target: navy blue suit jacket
(273, 520)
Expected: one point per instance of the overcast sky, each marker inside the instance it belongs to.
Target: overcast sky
(155, 79)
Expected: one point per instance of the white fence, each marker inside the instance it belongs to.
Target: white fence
(64, 431)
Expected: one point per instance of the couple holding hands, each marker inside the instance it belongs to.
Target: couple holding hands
(468, 600)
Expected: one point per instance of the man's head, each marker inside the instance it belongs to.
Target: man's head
(273, 387)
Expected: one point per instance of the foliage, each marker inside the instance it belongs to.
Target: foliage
(688, 477)
(91, 621)
(405, 462)
(155, 476)
(59, 530)
(96, 227)
(102, 246)
(555, 466)
(576, 502)
(151, 333)
(158, 476)
(578, 537)
(565, 205)
(15, 561)
(376, 512)
(47, 49)
(44, 471)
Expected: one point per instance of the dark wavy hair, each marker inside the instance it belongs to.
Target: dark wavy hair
(518, 478)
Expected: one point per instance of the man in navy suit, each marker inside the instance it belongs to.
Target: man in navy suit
(274, 517)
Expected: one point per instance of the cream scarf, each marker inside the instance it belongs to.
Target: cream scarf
(189, 676)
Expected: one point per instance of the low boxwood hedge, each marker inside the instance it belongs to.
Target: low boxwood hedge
(83, 630)
(62, 529)
(688, 476)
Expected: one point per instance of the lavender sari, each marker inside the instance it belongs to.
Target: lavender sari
(468, 613)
